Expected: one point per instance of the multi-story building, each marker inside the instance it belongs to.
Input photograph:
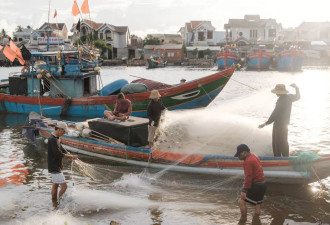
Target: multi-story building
(198, 33)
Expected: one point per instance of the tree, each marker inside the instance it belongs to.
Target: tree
(28, 27)
(150, 40)
(100, 44)
(207, 52)
(19, 28)
(195, 52)
(3, 32)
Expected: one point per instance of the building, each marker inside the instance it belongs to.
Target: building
(166, 39)
(56, 30)
(116, 36)
(254, 29)
(198, 33)
(172, 53)
(313, 31)
(23, 35)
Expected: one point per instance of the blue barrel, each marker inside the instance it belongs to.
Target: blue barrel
(113, 87)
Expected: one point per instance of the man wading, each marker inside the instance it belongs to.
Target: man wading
(281, 118)
(55, 155)
(254, 187)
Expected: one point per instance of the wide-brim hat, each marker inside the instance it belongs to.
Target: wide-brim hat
(62, 125)
(280, 89)
(154, 94)
(241, 148)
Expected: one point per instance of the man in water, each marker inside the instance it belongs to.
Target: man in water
(254, 187)
(281, 118)
(122, 110)
(154, 112)
(55, 166)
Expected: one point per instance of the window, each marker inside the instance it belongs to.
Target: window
(272, 33)
(101, 36)
(201, 36)
(210, 35)
(253, 33)
(170, 54)
(108, 35)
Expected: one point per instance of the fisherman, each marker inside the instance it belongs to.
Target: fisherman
(122, 111)
(254, 187)
(182, 81)
(55, 166)
(281, 118)
(154, 112)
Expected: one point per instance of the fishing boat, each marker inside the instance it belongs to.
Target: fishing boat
(52, 86)
(226, 58)
(259, 59)
(155, 62)
(290, 60)
(94, 138)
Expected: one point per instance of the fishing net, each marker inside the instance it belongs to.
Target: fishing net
(303, 161)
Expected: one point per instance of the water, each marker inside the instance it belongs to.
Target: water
(131, 195)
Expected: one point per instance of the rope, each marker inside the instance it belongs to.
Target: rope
(200, 85)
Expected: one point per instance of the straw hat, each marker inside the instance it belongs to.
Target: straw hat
(62, 125)
(154, 94)
(279, 89)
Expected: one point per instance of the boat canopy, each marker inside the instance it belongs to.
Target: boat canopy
(54, 53)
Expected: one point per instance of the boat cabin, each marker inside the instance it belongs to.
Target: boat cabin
(53, 74)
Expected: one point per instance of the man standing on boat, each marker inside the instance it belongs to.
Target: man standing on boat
(254, 187)
(154, 112)
(281, 118)
(55, 166)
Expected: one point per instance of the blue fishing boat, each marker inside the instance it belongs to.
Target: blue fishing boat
(290, 60)
(226, 58)
(52, 86)
(155, 62)
(259, 59)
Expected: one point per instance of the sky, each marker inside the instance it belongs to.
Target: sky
(159, 16)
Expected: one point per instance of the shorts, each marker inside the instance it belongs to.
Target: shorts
(57, 178)
(151, 133)
(255, 194)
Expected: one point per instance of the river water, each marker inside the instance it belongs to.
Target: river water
(131, 195)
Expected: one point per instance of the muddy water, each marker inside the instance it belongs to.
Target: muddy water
(132, 195)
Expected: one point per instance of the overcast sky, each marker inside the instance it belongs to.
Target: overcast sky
(160, 16)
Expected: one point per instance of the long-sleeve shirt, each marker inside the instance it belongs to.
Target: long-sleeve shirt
(154, 111)
(253, 171)
(282, 112)
(55, 154)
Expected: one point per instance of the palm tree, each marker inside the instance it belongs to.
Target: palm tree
(19, 28)
(28, 27)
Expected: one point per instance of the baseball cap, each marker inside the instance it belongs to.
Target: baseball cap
(241, 148)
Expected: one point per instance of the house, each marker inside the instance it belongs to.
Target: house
(116, 36)
(172, 53)
(198, 33)
(314, 31)
(166, 39)
(56, 30)
(23, 35)
(254, 29)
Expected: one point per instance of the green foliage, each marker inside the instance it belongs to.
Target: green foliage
(100, 44)
(150, 40)
(19, 28)
(195, 51)
(88, 38)
(3, 32)
(207, 52)
(184, 49)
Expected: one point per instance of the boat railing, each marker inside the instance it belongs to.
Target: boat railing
(14, 74)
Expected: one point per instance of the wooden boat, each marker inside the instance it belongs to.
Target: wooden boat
(226, 58)
(283, 170)
(259, 59)
(56, 88)
(155, 62)
(290, 60)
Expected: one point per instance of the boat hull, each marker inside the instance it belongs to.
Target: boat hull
(226, 59)
(276, 169)
(290, 60)
(194, 94)
(259, 61)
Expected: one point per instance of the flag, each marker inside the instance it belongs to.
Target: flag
(75, 8)
(25, 53)
(85, 7)
(17, 52)
(154, 48)
(1, 48)
(9, 53)
(78, 26)
(55, 13)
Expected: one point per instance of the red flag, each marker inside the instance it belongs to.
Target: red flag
(17, 52)
(1, 48)
(9, 53)
(55, 13)
(154, 48)
(75, 8)
(85, 7)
